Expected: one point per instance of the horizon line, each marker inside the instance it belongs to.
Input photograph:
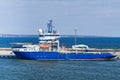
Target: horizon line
(64, 35)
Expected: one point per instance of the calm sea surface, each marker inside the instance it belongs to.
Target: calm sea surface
(18, 69)
(94, 42)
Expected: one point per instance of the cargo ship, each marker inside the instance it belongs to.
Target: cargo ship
(49, 49)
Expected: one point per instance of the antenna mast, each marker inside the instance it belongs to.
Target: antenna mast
(75, 36)
(75, 40)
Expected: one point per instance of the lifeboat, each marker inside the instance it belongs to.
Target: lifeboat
(44, 46)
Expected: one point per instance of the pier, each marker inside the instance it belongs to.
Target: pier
(7, 52)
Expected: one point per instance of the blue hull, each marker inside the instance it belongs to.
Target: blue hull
(63, 56)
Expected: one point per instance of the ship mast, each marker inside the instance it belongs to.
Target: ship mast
(75, 40)
(75, 36)
(49, 25)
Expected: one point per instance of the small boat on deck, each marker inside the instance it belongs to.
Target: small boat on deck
(49, 49)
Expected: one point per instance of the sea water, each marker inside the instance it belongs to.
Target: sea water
(92, 42)
(19, 69)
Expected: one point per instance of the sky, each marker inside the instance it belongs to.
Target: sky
(88, 17)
